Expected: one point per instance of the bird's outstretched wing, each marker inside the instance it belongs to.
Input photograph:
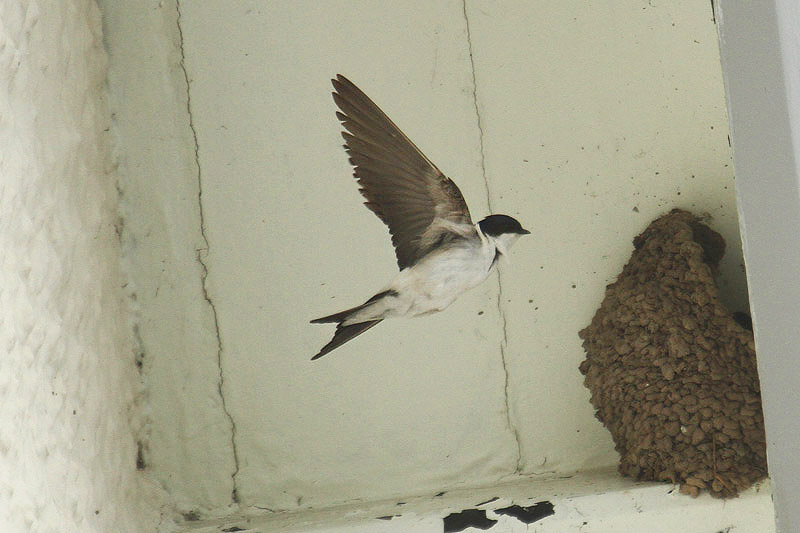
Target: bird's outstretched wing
(421, 206)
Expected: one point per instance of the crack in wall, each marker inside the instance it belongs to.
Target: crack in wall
(204, 251)
(511, 426)
(477, 109)
(501, 311)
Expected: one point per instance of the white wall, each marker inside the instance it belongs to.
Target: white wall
(67, 375)
(761, 55)
(585, 121)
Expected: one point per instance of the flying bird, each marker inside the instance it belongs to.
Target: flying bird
(440, 252)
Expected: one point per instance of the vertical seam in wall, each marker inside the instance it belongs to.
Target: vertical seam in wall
(500, 309)
(204, 250)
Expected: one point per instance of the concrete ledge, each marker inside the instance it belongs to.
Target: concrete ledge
(599, 502)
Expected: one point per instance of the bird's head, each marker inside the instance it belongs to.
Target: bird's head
(503, 230)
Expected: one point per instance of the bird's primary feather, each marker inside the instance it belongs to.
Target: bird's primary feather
(401, 185)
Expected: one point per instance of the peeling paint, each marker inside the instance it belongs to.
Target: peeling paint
(467, 518)
(491, 500)
(529, 514)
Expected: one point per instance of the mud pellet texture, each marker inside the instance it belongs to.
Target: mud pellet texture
(672, 374)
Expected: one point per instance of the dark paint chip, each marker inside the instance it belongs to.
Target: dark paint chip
(529, 514)
(487, 501)
(467, 518)
(387, 517)
(232, 529)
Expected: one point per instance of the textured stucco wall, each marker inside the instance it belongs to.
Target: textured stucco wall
(68, 381)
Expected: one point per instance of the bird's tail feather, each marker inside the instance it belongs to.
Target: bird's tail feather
(344, 334)
(338, 317)
(342, 315)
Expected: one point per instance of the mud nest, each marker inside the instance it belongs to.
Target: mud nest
(671, 371)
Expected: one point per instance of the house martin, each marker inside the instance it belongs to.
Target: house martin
(440, 252)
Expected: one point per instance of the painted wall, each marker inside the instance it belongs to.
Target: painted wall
(188, 438)
(68, 380)
(584, 121)
(761, 55)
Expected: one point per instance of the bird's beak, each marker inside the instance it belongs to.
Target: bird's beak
(524, 232)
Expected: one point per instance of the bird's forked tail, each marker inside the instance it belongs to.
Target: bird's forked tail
(346, 333)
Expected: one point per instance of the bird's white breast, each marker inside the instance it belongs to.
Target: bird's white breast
(435, 281)
(439, 278)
